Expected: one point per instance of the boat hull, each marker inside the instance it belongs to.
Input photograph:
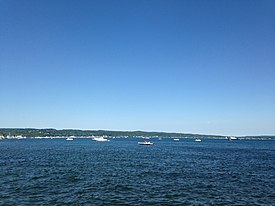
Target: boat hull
(145, 143)
(101, 139)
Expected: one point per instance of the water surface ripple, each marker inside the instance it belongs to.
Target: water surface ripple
(121, 172)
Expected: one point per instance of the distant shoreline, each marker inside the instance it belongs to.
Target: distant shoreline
(21, 133)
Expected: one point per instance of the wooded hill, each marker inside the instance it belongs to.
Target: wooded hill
(30, 132)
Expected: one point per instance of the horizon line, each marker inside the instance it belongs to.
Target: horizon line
(132, 131)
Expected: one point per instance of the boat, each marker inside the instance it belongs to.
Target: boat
(69, 139)
(197, 140)
(101, 139)
(145, 143)
(231, 138)
(176, 139)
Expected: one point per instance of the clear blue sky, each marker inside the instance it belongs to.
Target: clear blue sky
(199, 66)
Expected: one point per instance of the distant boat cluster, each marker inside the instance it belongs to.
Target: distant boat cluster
(22, 133)
(105, 138)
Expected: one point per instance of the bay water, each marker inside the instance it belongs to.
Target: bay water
(121, 172)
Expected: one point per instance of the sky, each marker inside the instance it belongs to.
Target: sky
(204, 66)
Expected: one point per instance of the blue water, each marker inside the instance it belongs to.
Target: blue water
(121, 172)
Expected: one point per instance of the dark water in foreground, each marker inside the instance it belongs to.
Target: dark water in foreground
(121, 172)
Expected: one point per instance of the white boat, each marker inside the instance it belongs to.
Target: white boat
(101, 139)
(69, 139)
(197, 140)
(176, 139)
(145, 143)
(232, 138)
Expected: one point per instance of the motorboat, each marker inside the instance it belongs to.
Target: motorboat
(232, 138)
(197, 140)
(145, 143)
(101, 139)
(69, 139)
(176, 139)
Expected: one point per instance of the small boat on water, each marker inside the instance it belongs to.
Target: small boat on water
(101, 139)
(69, 139)
(197, 140)
(176, 139)
(231, 138)
(145, 143)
